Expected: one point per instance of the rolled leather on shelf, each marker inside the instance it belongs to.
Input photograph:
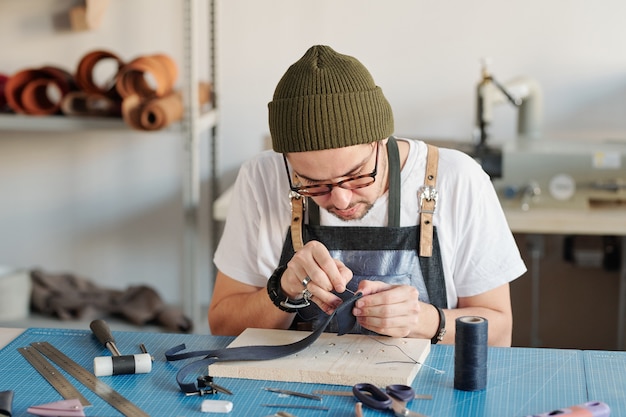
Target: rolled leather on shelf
(159, 112)
(3, 100)
(147, 76)
(38, 91)
(152, 114)
(81, 103)
(85, 73)
(141, 91)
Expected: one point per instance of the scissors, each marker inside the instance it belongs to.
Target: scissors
(394, 398)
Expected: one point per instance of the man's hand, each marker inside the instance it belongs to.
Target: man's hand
(324, 273)
(392, 310)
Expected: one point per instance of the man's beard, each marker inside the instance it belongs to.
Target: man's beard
(367, 207)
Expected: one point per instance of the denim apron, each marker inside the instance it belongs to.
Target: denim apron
(390, 254)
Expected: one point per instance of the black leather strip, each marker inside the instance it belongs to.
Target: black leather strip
(6, 403)
(247, 353)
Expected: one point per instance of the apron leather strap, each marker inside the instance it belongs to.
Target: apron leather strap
(297, 214)
(427, 196)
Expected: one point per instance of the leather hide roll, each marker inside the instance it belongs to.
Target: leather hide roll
(3, 100)
(38, 91)
(147, 76)
(85, 73)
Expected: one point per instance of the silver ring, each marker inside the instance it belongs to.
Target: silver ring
(306, 281)
(306, 294)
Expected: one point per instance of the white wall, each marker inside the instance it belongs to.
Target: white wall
(107, 205)
(426, 57)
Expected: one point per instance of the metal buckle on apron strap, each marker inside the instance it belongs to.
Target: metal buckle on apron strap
(294, 195)
(428, 193)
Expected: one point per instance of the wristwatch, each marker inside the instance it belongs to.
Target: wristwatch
(441, 331)
(279, 298)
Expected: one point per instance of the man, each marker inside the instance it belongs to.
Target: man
(342, 207)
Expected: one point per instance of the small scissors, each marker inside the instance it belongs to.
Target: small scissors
(395, 398)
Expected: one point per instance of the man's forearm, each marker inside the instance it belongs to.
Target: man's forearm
(500, 324)
(237, 312)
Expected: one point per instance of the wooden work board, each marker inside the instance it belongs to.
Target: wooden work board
(331, 359)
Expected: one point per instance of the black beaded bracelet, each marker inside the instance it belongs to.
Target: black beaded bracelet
(278, 297)
(441, 331)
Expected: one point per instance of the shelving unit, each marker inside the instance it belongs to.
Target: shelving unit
(194, 124)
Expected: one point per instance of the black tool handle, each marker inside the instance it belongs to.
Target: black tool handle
(101, 329)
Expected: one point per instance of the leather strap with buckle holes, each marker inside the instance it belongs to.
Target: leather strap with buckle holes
(297, 213)
(428, 200)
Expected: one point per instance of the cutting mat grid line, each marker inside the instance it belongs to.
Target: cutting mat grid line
(520, 381)
(606, 373)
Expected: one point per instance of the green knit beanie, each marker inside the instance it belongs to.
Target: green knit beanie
(327, 100)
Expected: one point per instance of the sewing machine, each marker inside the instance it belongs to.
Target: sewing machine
(534, 171)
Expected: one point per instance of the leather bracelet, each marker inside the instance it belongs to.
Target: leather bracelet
(278, 297)
(441, 331)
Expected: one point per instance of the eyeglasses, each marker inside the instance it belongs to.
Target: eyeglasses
(351, 183)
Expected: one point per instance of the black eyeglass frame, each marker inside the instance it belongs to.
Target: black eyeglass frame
(329, 186)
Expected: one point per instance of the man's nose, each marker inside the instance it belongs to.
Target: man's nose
(340, 197)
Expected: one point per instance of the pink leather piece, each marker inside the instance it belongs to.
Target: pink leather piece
(66, 408)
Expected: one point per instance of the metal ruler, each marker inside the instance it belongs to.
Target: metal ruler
(52, 375)
(116, 400)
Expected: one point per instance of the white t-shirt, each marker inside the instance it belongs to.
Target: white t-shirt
(477, 247)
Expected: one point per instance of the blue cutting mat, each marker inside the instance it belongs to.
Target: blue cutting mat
(520, 381)
(606, 379)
